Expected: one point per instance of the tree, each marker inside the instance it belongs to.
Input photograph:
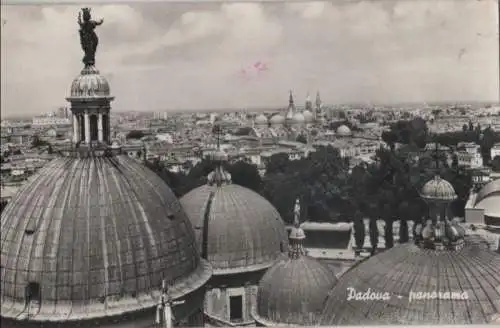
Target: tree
(277, 163)
(301, 138)
(135, 134)
(246, 175)
(243, 131)
(403, 231)
(465, 127)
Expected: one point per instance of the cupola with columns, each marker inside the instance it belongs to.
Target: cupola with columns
(90, 100)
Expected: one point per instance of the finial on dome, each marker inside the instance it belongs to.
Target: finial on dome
(297, 235)
(296, 213)
(219, 176)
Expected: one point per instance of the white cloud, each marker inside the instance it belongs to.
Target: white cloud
(190, 56)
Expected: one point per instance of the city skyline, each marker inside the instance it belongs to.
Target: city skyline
(198, 56)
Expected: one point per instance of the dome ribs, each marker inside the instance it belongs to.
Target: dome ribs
(235, 207)
(472, 270)
(90, 225)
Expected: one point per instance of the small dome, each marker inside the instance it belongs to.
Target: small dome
(438, 189)
(308, 116)
(343, 131)
(243, 231)
(261, 119)
(90, 84)
(95, 234)
(277, 119)
(467, 279)
(298, 118)
(293, 291)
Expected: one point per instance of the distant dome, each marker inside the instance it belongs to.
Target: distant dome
(95, 237)
(308, 116)
(277, 119)
(407, 268)
(243, 231)
(343, 131)
(298, 118)
(261, 119)
(294, 290)
(90, 84)
(438, 189)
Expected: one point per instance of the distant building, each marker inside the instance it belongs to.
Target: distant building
(495, 151)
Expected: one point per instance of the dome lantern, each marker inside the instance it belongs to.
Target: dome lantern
(294, 289)
(297, 235)
(439, 232)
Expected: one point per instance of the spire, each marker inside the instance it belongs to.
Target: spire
(290, 100)
(297, 235)
(219, 176)
(318, 100)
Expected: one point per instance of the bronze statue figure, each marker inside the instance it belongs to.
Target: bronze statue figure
(88, 37)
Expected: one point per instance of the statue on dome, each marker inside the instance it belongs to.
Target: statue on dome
(296, 212)
(88, 37)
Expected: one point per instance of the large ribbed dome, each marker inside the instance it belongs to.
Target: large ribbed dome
(237, 229)
(407, 268)
(95, 237)
(90, 84)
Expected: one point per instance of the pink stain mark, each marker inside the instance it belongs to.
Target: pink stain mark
(253, 71)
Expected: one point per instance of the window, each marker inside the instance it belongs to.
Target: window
(33, 292)
(236, 308)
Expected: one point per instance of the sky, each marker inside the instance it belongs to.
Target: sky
(176, 56)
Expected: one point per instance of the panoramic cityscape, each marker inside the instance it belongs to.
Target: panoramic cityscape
(250, 164)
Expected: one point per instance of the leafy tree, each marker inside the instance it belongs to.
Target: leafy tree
(277, 163)
(301, 138)
(246, 175)
(135, 134)
(243, 131)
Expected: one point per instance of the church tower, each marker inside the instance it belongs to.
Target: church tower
(318, 112)
(291, 107)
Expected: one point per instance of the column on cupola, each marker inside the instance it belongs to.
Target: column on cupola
(87, 127)
(99, 128)
(76, 129)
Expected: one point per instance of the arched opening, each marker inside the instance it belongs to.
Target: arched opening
(93, 127)
(82, 127)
